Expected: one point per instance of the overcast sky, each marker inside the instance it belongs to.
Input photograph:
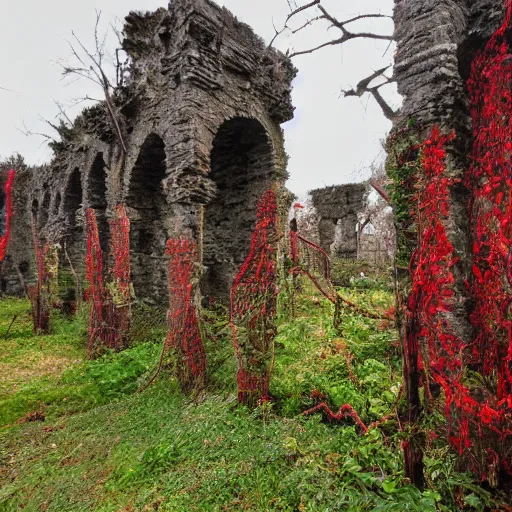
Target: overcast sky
(332, 140)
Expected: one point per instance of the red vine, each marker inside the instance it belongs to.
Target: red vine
(4, 236)
(253, 306)
(184, 335)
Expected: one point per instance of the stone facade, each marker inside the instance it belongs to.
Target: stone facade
(200, 116)
(337, 209)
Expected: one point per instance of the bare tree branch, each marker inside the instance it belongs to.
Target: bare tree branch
(346, 35)
(29, 133)
(363, 87)
(380, 190)
(91, 68)
(294, 11)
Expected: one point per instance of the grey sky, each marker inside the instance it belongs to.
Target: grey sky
(331, 140)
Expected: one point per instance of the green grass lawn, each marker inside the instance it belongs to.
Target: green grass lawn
(76, 434)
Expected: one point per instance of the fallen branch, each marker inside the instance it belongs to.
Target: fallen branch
(6, 335)
(347, 411)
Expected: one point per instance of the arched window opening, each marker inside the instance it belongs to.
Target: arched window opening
(148, 210)
(97, 198)
(74, 215)
(56, 203)
(73, 201)
(44, 212)
(242, 168)
(34, 211)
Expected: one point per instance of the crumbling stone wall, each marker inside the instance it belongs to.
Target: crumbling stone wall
(338, 208)
(201, 114)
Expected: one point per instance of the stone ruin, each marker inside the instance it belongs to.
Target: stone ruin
(437, 41)
(337, 209)
(349, 222)
(201, 114)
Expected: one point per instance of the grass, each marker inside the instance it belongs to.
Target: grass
(104, 447)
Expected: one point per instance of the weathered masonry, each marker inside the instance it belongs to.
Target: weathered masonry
(338, 208)
(200, 114)
(437, 41)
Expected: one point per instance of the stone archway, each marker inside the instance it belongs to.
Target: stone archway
(97, 198)
(34, 213)
(242, 168)
(56, 203)
(44, 211)
(148, 210)
(74, 215)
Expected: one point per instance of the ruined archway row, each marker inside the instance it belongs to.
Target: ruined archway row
(186, 84)
(243, 164)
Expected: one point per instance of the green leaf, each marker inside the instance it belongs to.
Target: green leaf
(473, 501)
(389, 485)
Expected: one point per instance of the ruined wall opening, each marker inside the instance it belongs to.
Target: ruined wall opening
(34, 211)
(44, 212)
(148, 211)
(73, 200)
(73, 210)
(242, 167)
(56, 203)
(97, 198)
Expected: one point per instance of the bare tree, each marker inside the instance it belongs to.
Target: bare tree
(318, 13)
(91, 66)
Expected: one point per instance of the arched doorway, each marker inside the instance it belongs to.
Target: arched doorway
(97, 198)
(44, 212)
(148, 211)
(73, 200)
(242, 167)
(73, 211)
(56, 204)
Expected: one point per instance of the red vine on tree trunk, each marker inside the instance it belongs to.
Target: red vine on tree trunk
(39, 293)
(109, 317)
(254, 305)
(490, 182)
(4, 235)
(478, 417)
(120, 287)
(98, 315)
(184, 335)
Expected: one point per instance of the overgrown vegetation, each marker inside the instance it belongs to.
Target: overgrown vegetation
(78, 436)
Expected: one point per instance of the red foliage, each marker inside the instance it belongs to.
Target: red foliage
(39, 293)
(346, 411)
(120, 250)
(4, 236)
(477, 418)
(98, 316)
(253, 306)
(490, 181)
(184, 335)
(109, 317)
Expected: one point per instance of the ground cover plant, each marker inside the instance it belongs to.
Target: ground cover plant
(77, 434)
